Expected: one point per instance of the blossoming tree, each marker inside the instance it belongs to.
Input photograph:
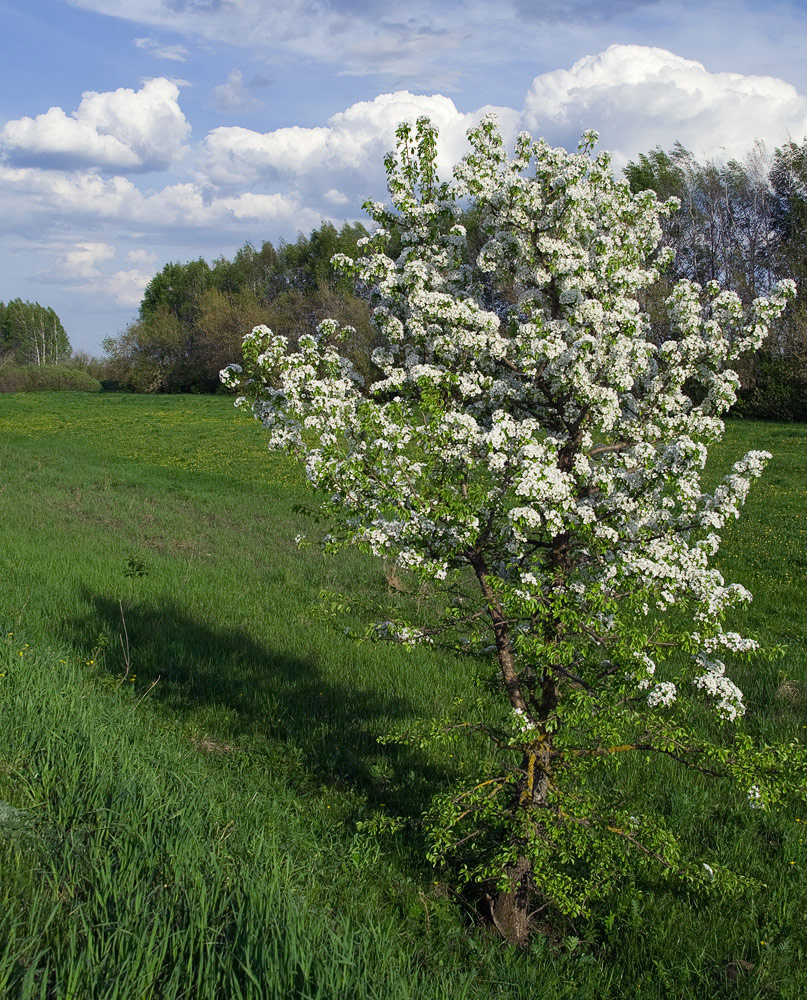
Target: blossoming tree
(542, 464)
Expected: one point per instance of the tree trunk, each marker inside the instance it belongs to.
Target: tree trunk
(510, 908)
(504, 646)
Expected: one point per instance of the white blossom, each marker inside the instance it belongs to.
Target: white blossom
(755, 800)
(549, 438)
(663, 694)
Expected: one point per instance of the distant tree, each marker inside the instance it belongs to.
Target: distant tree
(220, 328)
(780, 387)
(32, 333)
(250, 270)
(193, 315)
(136, 358)
(789, 181)
(177, 289)
(306, 263)
(743, 225)
(722, 230)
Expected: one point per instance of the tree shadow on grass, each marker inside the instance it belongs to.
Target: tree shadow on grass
(229, 687)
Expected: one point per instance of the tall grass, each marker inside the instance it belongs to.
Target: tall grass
(188, 755)
(139, 864)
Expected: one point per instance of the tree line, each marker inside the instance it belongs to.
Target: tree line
(35, 352)
(743, 225)
(32, 334)
(194, 315)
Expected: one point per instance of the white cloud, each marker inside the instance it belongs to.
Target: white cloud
(244, 184)
(176, 53)
(34, 201)
(82, 261)
(234, 96)
(639, 97)
(125, 287)
(344, 158)
(359, 37)
(143, 257)
(80, 268)
(636, 96)
(54, 138)
(290, 178)
(121, 129)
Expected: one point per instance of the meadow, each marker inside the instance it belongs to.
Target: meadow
(189, 769)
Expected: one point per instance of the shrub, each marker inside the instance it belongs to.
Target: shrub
(35, 378)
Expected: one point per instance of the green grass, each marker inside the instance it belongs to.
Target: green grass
(191, 828)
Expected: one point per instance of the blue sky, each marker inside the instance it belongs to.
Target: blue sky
(133, 132)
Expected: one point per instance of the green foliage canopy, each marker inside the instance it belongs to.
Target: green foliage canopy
(33, 334)
(193, 315)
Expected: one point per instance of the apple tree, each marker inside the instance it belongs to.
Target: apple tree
(534, 451)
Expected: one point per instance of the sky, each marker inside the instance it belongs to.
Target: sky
(137, 132)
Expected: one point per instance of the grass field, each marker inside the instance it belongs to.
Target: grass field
(191, 825)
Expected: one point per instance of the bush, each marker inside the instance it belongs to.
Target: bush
(776, 391)
(35, 378)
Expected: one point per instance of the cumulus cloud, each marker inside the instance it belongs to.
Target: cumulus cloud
(636, 96)
(175, 53)
(343, 159)
(121, 129)
(246, 184)
(41, 201)
(82, 261)
(234, 96)
(125, 287)
(291, 178)
(53, 139)
(81, 268)
(336, 197)
(639, 97)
